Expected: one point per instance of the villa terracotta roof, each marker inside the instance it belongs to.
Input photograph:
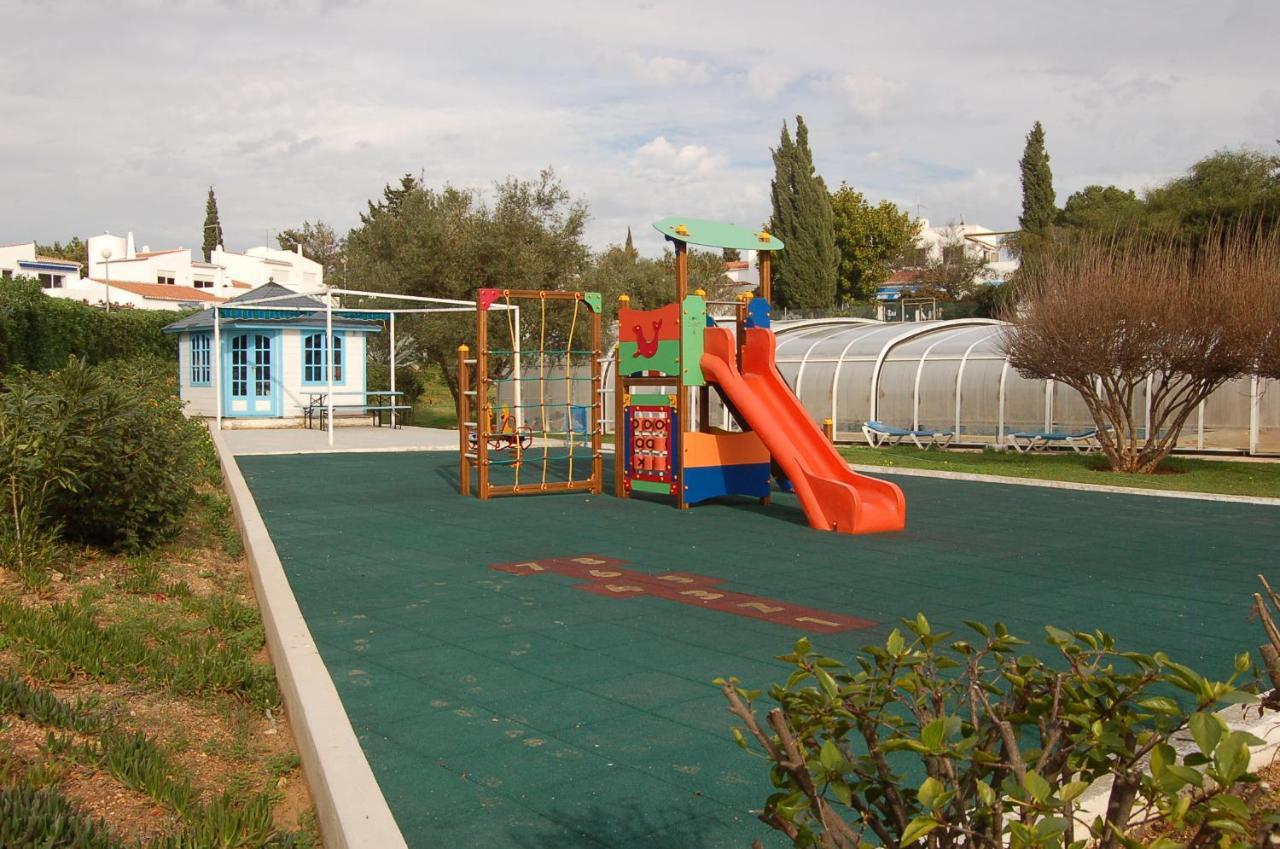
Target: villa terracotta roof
(237, 284)
(56, 260)
(163, 291)
(906, 275)
(736, 265)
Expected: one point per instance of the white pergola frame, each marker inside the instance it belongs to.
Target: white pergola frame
(446, 305)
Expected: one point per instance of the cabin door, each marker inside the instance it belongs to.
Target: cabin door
(252, 367)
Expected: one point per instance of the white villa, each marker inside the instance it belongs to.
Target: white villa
(271, 361)
(978, 242)
(20, 260)
(169, 279)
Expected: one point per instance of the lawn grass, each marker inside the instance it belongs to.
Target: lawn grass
(435, 406)
(1181, 474)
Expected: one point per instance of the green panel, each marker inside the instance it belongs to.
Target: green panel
(666, 360)
(651, 400)
(651, 486)
(592, 299)
(714, 234)
(693, 326)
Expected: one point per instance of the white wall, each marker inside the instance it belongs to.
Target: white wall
(202, 400)
(11, 254)
(258, 265)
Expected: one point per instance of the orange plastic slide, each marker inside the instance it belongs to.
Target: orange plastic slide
(834, 497)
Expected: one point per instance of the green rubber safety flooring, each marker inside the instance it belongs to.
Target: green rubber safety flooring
(516, 710)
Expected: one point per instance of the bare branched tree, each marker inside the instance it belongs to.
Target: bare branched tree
(1141, 322)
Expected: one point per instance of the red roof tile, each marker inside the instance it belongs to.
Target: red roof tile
(164, 292)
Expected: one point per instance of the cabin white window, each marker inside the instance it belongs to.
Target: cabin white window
(314, 359)
(51, 281)
(201, 359)
(203, 284)
(166, 278)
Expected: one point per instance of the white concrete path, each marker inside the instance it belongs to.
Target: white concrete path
(345, 439)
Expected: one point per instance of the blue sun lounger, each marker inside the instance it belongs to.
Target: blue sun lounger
(1081, 442)
(879, 433)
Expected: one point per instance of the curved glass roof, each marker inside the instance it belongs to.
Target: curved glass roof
(953, 375)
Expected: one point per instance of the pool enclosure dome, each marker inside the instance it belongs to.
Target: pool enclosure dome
(952, 375)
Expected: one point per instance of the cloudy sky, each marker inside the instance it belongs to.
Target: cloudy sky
(118, 115)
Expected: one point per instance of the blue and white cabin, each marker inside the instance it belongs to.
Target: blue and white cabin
(272, 361)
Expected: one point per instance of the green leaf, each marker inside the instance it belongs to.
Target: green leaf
(1228, 825)
(1161, 757)
(895, 644)
(933, 734)
(828, 683)
(1037, 786)
(831, 757)
(1072, 791)
(1231, 758)
(1161, 704)
(1206, 729)
(738, 736)
(1230, 804)
(917, 828)
(979, 627)
(986, 794)
(1186, 774)
(841, 791)
(1059, 637)
(1050, 827)
(922, 624)
(1165, 843)
(929, 792)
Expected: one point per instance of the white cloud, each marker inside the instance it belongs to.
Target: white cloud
(660, 154)
(668, 70)
(865, 95)
(767, 81)
(303, 116)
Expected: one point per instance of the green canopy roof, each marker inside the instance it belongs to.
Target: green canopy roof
(715, 234)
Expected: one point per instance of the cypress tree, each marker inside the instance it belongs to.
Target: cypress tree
(212, 226)
(1038, 209)
(805, 270)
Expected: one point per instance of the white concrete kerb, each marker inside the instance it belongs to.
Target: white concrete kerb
(350, 808)
(1265, 725)
(1079, 487)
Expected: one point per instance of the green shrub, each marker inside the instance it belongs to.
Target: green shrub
(38, 332)
(941, 742)
(409, 380)
(103, 455)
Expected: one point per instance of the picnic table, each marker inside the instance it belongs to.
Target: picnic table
(376, 403)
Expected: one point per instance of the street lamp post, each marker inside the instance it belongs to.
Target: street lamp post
(106, 255)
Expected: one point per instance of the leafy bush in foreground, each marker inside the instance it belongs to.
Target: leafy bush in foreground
(938, 742)
(97, 454)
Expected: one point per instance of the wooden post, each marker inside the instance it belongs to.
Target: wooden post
(682, 271)
(766, 276)
(464, 465)
(482, 402)
(595, 417)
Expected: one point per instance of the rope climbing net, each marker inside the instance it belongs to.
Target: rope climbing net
(530, 422)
